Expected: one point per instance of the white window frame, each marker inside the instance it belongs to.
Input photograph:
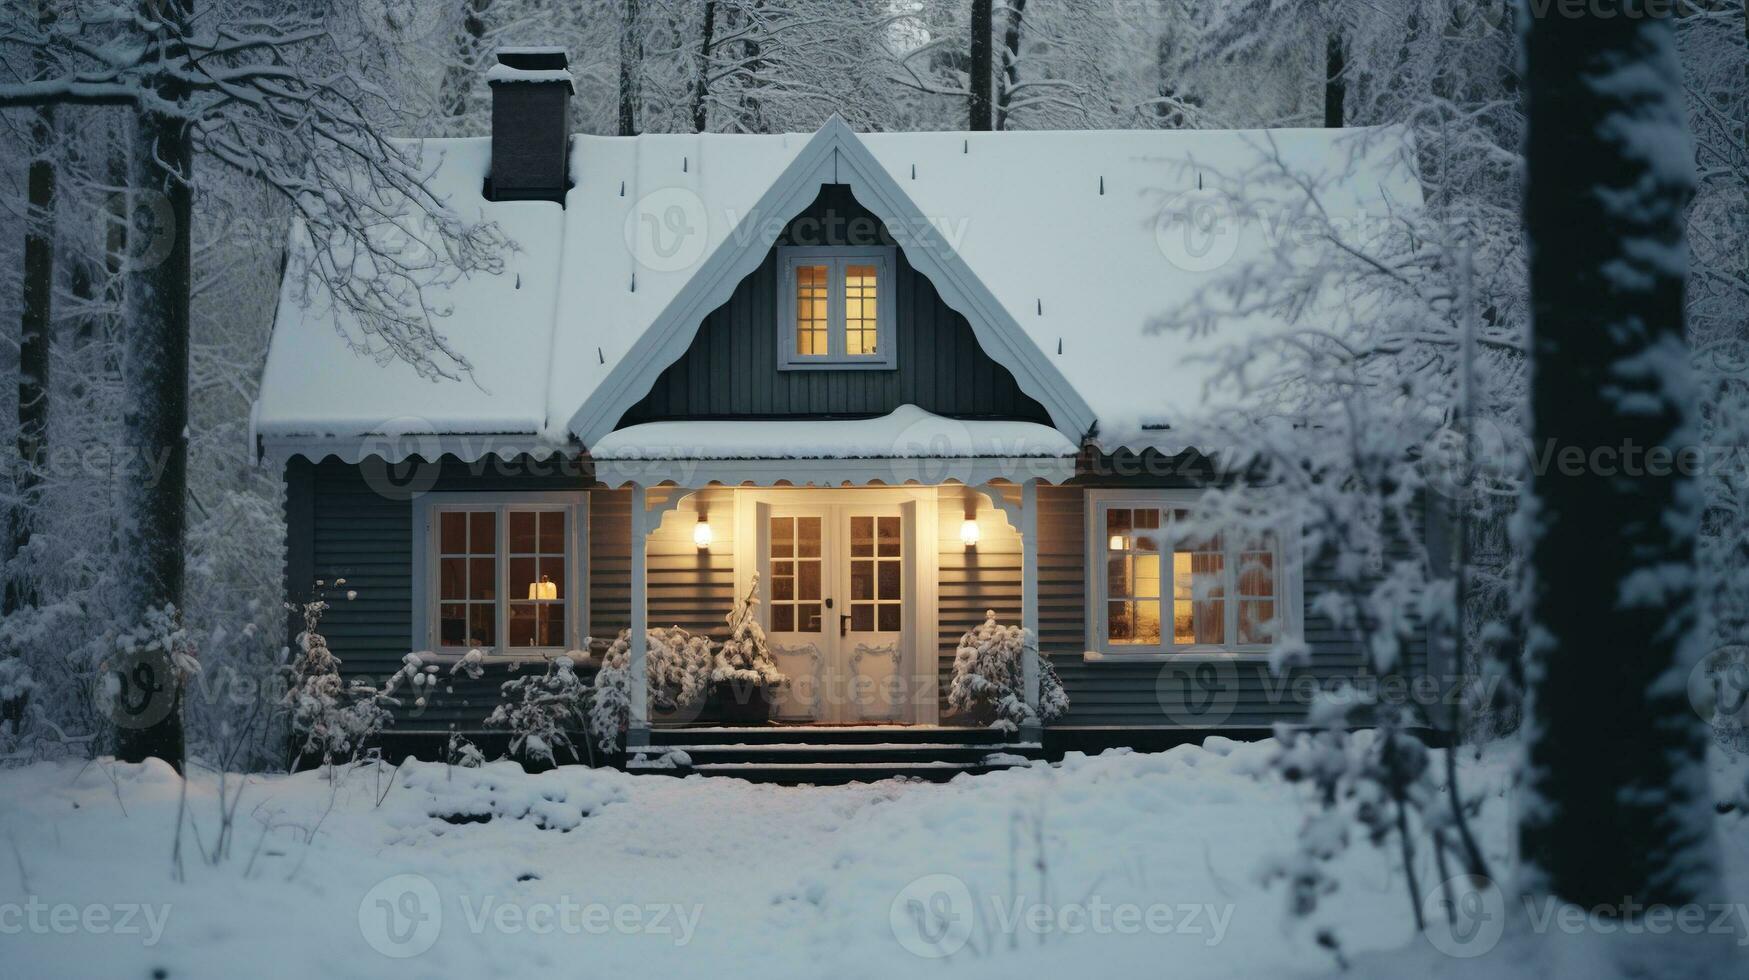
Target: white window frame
(426, 550)
(835, 258)
(1289, 586)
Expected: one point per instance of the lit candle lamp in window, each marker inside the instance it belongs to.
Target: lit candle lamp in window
(1116, 543)
(546, 588)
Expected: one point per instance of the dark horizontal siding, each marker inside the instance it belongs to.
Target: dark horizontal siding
(730, 371)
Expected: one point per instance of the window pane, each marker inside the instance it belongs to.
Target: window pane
(482, 625)
(452, 575)
(1256, 574)
(1117, 521)
(522, 624)
(550, 625)
(1198, 607)
(1147, 518)
(890, 614)
(453, 532)
(552, 532)
(812, 290)
(452, 625)
(1148, 621)
(1120, 625)
(552, 576)
(522, 535)
(1256, 622)
(523, 581)
(861, 326)
(482, 578)
(482, 533)
(1147, 572)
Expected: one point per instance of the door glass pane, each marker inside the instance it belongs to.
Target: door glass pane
(783, 536)
(889, 537)
(812, 324)
(862, 580)
(861, 537)
(889, 580)
(783, 618)
(808, 537)
(808, 580)
(890, 616)
(862, 617)
(808, 617)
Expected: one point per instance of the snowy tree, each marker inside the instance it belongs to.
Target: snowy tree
(678, 667)
(744, 658)
(989, 680)
(1609, 174)
(330, 717)
(541, 710)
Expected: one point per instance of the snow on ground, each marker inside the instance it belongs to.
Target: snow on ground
(1149, 862)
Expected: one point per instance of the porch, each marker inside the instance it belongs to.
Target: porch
(864, 545)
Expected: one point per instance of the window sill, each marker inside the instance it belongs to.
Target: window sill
(1188, 656)
(881, 365)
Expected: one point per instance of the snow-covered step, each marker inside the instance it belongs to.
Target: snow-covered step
(828, 734)
(828, 774)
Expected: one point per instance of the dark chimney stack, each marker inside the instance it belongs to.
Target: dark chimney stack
(531, 122)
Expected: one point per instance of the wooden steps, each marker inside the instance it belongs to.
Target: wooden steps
(825, 755)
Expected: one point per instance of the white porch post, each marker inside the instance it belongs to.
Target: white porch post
(1029, 583)
(639, 734)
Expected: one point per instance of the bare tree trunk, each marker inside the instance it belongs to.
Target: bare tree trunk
(33, 341)
(978, 117)
(701, 87)
(464, 72)
(1335, 82)
(1010, 60)
(155, 421)
(1619, 804)
(631, 57)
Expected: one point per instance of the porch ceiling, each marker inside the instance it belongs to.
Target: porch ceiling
(908, 446)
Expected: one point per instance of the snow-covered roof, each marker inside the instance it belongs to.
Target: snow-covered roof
(1049, 242)
(908, 444)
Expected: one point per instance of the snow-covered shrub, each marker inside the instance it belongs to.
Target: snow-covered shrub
(331, 717)
(745, 657)
(539, 709)
(989, 677)
(678, 667)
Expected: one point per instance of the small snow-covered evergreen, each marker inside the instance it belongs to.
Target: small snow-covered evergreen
(745, 657)
(331, 717)
(539, 709)
(678, 666)
(989, 676)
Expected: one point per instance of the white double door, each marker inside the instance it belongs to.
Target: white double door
(838, 604)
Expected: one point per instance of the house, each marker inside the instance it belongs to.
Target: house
(902, 378)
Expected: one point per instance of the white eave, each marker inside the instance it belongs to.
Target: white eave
(907, 446)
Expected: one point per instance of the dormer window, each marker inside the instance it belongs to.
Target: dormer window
(835, 308)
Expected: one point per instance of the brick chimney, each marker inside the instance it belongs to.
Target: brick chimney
(531, 122)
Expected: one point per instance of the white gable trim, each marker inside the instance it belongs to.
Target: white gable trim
(834, 155)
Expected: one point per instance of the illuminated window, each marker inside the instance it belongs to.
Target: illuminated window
(836, 308)
(497, 573)
(1166, 584)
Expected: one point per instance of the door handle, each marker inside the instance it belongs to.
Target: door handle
(843, 624)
